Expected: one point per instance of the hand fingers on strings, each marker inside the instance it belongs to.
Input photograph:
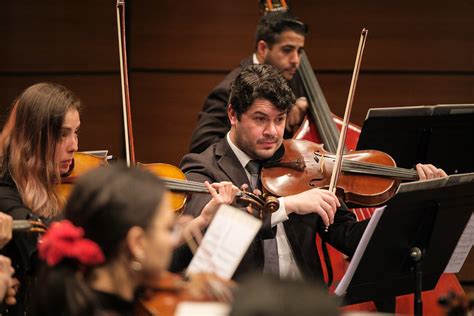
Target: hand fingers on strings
(211, 190)
(228, 191)
(429, 171)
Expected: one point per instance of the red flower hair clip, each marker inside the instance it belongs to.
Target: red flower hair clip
(64, 240)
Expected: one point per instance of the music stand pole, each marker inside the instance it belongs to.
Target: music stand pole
(416, 256)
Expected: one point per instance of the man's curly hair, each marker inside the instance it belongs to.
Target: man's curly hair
(260, 82)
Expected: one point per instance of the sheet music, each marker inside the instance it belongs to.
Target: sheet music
(202, 309)
(451, 180)
(423, 184)
(346, 280)
(225, 242)
(99, 153)
(462, 248)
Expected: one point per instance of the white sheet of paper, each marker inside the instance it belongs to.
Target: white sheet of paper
(202, 309)
(97, 153)
(346, 280)
(462, 248)
(225, 242)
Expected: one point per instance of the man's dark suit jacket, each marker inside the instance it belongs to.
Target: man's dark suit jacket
(219, 163)
(213, 122)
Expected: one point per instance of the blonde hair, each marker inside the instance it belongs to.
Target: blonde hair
(28, 145)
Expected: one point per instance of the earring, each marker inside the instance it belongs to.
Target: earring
(136, 265)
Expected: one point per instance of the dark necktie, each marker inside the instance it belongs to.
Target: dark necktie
(270, 247)
(253, 167)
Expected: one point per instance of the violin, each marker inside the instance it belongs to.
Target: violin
(163, 296)
(29, 226)
(368, 178)
(81, 163)
(175, 181)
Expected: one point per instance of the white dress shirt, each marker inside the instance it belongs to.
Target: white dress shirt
(286, 261)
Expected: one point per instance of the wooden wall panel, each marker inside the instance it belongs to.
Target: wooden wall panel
(403, 35)
(199, 35)
(51, 35)
(101, 117)
(165, 109)
(375, 90)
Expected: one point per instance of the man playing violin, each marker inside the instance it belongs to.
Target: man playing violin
(279, 41)
(258, 107)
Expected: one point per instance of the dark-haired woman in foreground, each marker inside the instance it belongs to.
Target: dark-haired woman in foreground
(118, 233)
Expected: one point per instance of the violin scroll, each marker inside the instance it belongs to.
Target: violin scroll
(29, 226)
(263, 203)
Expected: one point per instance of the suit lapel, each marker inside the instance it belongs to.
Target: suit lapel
(230, 164)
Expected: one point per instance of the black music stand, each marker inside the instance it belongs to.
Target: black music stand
(442, 135)
(413, 240)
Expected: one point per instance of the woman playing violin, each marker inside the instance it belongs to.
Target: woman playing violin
(37, 145)
(118, 233)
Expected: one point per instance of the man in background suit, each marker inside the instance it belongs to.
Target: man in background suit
(279, 41)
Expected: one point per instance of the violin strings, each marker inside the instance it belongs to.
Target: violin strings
(189, 186)
(370, 168)
(379, 170)
(185, 185)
